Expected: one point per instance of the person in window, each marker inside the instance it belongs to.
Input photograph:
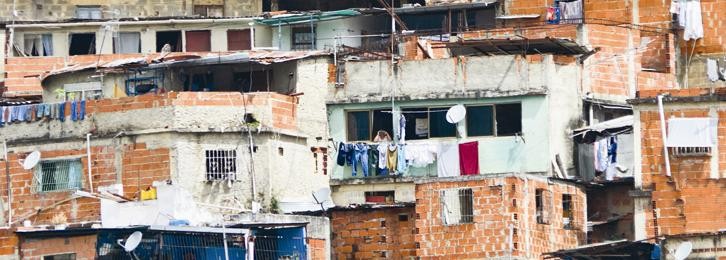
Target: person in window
(382, 136)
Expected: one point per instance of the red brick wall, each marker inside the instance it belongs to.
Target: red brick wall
(317, 248)
(496, 202)
(83, 246)
(610, 10)
(8, 242)
(373, 234)
(714, 22)
(686, 202)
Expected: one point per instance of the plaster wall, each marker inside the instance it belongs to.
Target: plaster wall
(705, 246)
(372, 81)
(326, 31)
(355, 194)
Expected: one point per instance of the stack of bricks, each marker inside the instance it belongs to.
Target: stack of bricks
(373, 234)
(504, 209)
(687, 201)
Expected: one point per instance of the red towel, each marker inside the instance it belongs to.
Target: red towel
(469, 158)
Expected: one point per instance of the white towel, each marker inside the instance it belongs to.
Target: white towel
(692, 22)
(448, 160)
(712, 70)
(692, 132)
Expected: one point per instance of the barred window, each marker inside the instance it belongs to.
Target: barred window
(457, 206)
(58, 175)
(221, 165)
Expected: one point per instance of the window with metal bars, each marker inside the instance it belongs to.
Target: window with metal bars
(457, 206)
(221, 165)
(58, 175)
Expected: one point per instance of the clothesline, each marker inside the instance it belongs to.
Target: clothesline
(415, 111)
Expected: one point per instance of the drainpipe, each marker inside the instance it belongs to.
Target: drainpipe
(664, 135)
(88, 154)
(7, 178)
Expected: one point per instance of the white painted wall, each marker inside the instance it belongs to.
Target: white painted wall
(325, 31)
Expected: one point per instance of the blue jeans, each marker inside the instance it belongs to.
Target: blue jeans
(360, 156)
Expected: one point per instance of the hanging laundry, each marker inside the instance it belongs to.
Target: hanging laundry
(392, 158)
(373, 160)
(402, 166)
(29, 113)
(553, 15)
(420, 155)
(2, 116)
(82, 110)
(62, 111)
(469, 158)
(360, 157)
(691, 20)
(571, 11)
(383, 159)
(712, 70)
(340, 159)
(46, 110)
(601, 155)
(349, 154)
(74, 116)
(448, 160)
(39, 111)
(402, 129)
(722, 69)
(613, 149)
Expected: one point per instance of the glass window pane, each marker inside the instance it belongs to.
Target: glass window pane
(509, 119)
(417, 123)
(358, 126)
(438, 125)
(480, 121)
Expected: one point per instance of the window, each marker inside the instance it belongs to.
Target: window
(480, 121)
(567, 210)
(81, 43)
(68, 256)
(303, 38)
(88, 12)
(173, 38)
(82, 91)
(58, 175)
(239, 40)
(127, 42)
(198, 41)
(359, 126)
(509, 119)
(438, 126)
(38, 45)
(209, 10)
(457, 206)
(543, 204)
(221, 165)
(417, 123)
(380, 197)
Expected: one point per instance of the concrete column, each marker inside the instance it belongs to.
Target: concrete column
(218, 38)
(148, 41)
(104, 42)
(60, 44)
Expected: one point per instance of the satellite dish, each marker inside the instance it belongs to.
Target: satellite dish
(31, 160)
(133, 241)
(456, 114)
(321, 195)
(683, 250)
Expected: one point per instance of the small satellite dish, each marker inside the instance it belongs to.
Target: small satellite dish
(456, 114)
(31, 160)
(683, 250)
(132, 241)
(321, 195)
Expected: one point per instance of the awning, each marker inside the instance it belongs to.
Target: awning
(516, 46)
(617, 123)
(307, 17)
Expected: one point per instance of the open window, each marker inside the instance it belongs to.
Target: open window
(480, 120)
(417, 123)
(199, 40)
(438, 126)
(172, 38)
(457, 206)
(58, 175)
(543, 205)
(127, 42)
(303, 38)
(66, 256)
(567, 211)
(221, 165)
(81, 43)
(382, 121)
(238, 40)
(83, 90)
(260, 81)
(380, 197)
(38, 45)
(509, 119)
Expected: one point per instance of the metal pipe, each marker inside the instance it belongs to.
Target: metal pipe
(88, 154)
(9, 185)
(661, 112)
(170, 21)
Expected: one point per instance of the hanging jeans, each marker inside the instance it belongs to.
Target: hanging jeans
(360, 157)
(342, 153)
(373, 159)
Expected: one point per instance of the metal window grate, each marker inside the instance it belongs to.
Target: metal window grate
(457, 206)
(58, 175)
(221, 165)
(690, 151)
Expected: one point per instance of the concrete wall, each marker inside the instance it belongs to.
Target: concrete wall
(59, 10)
(354, 193)
(705, 246)
(326, 31)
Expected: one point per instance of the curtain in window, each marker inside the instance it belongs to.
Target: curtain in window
(28, 45)
(74, 175)
(47, 40)
(128, 42)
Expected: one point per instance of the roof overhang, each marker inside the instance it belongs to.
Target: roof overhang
(510, 46)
